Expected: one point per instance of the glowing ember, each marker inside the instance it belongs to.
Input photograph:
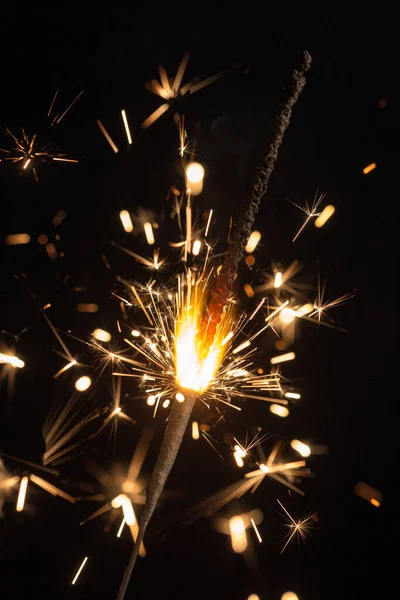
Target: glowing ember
(83, 383)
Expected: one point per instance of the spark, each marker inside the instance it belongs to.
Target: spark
(196, 247)
(310, 212)
(107, 135)
(292, 395)
(369, 168)
(126, 125)
(13, 361)
(22, 493)
(101, 335)
(256, 530)
(324, 216)
(368, 493)
(126, 221)
(79, 570)
(83, 383)
(194, 178)
(300, 447)
(148, 229)
(170, 90)
(300, 528)
(16, 239)
(252, 242)
(282, 358)
(278, 279)
(195, 430)
(280, 411)
(238, 534)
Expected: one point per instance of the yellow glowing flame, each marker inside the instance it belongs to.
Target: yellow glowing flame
(196, 362)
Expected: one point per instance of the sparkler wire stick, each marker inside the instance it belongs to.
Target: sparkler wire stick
(181, 412)
(245, 219)
(171, 443)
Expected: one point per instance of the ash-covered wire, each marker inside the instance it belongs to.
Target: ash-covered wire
(244, 221)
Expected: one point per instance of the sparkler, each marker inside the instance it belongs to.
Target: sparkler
(199, 356)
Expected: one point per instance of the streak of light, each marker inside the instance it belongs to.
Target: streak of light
(101, 335)
(79, 570)
(287, 315)
(256, 530)
(128, 511)
(238, 459)
(248, 290)
(208, 81)
(282, 358)
(155, 115)
(277, 468)
(278, 280)
(292, 395)
(68, 366)
(51, 489)
(369, 168)
(245, 344)
(121, 527)
(310, 212)
(16, 239)
(70, 106)
(107, 135)
(368, 493)
(52, 102)
(27, 162)
(22, 493)
(87, 307)
(227, 338)
(11, 360)
(83, 383)
(69, 160)
(195, 430)
(280, 411)
(238, 534)
(148, 230)
(196, 247)
(252, 242)
(126, 221)
(324, 216)
(126, 125)
(208, 222)
(300, 447)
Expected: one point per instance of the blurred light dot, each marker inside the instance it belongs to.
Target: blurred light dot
(165, 404)
(101, 335)
(43, 239)
(151, 400)
(280, 411)
(253, 597)
(252, 242)
(301, 448)
(135, 333)
(180, 397)
(289, 596)
(15, 239)
(194, 172)
(83, 383)
(250, 260)
(58, 236)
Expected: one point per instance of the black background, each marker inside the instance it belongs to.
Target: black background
(348, 380)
